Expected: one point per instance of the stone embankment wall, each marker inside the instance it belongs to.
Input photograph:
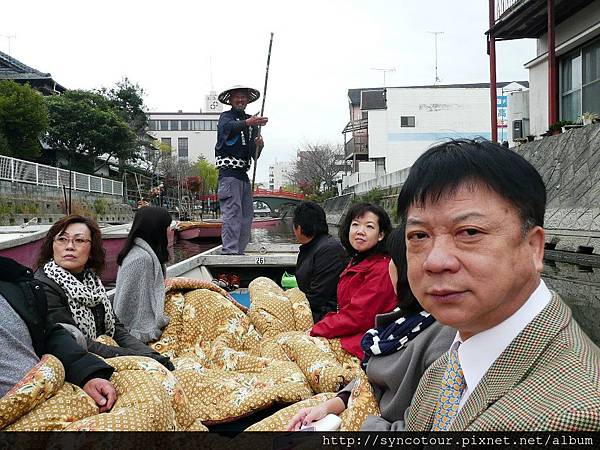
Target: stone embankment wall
(570, 166)
(336, 207)
(20, 203)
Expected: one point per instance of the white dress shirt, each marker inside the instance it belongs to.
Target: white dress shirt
(478, 353)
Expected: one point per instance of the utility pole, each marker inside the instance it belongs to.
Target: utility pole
(384, 71)
(435, 34)
(8, 37)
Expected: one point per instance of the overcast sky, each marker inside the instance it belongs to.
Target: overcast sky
(321, 49)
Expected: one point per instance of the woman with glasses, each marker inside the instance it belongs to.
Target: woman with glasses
(70, 260)
(140, 292)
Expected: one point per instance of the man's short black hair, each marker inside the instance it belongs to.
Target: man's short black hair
(310, 217)
(444, 168)
(359, 210)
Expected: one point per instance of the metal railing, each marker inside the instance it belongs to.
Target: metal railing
(504, 5)
(19, 171)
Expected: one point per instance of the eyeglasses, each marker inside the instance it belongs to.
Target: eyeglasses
(77, 241)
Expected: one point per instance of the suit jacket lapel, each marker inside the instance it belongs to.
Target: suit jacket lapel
(514, 363)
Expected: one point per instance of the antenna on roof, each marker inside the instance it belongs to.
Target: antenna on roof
(8, 37)
(384, 71)
(435, 34)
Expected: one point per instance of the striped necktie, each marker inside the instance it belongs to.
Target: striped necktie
(452, 388)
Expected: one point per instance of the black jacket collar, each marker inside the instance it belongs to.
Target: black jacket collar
(10, 270)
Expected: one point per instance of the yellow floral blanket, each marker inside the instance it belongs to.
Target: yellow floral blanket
(149, 399)
(232, 361)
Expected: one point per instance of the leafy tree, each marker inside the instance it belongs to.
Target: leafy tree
(291, 187)
(156, 155)
(23, 120)
(128, 99)
(84, 126)
(209, 175)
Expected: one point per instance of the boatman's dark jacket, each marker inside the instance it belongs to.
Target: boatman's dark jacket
(28, 299)
(235, 145)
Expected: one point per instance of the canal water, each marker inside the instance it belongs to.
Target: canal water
(578, 285)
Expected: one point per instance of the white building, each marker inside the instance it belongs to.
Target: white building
(279, 174)
(390, 128)
(190, 134)
(573, 74)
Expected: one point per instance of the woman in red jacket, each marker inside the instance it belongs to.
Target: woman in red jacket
(365, 288)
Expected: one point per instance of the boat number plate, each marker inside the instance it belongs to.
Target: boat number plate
(259, 260)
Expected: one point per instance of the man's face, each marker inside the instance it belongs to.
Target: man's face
(468, 262)
(239, 100)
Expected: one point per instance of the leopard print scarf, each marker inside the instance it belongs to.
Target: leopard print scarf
(82, 296)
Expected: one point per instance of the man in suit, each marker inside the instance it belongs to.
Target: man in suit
(474, 216)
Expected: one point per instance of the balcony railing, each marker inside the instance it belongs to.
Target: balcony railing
(356, 146)
(355, 125)
(17, 170)
(504, 5)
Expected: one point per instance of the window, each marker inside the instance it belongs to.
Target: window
(164, 125)
(152, 125)
(185, 125)
(182, 147)
(214, 125)
(407, 121)
(174, 125)
(580, 82)
(166, 141)
(198, 125)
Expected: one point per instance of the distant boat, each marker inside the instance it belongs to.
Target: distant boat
(211, 228)
(23, 244)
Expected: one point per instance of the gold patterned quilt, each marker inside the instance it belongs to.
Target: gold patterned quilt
(232, 361)
(149, 399)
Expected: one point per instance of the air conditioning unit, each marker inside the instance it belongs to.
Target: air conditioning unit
(520, 128)
(517, 129)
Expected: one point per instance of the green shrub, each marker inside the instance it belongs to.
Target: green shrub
(100, 206)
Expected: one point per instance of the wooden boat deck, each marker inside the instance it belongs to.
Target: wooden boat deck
(257, 256)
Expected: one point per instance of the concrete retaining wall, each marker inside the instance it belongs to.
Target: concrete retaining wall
(570, 166)
(21, 202)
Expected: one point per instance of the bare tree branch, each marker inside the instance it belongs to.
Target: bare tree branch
(318, 164)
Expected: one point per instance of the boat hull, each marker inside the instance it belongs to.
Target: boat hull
(26, 249)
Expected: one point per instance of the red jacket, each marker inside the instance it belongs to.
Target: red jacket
(364, 290)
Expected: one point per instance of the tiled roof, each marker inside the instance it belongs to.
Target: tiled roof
(13, 69)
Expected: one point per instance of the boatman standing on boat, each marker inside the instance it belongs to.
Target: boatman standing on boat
(238, 141)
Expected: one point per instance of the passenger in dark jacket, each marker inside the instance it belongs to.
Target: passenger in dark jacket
(321, 259)
(71, 255)
(26, 297)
